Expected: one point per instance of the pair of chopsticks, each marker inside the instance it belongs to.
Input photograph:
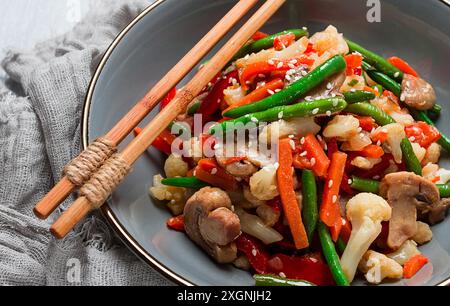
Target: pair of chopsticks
(81, 207)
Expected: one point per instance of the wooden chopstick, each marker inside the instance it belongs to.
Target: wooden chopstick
(130, 154)
(64, 187)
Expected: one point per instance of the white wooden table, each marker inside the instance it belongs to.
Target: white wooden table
(23, 23)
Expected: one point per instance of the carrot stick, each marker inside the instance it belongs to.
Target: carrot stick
(258, 94)
(413, 265)
(288, 198)
(320, 163)
(329, 210)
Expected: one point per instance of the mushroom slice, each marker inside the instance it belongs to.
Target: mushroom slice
(210, 222)
(417, 93)
(409, 195)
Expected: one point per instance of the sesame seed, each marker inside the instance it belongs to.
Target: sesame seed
(397, 74)
(330, 183)
(376, 177)
(214, 171)
(334, 199)
(335, 103)
(349, 181)
(290, 65)
(253, 119)
(333, 95)
(292, 143)
(319, 137)
(254, 252)
(308, 98)
(277, 90)
(329, 85)
(303, 72)
(270, 91)
(359, 129)
(313, 161)
(315, 111)
(288, 77)
(362, 135)
(352, 90)
(279, 65)
(302, 140)
(238, 178)
(209, 84)
(194, 173)
(304, 153)
(402, 97)
(293, 61)
(379, 143)
(270, 62)
(276, 165)
(261, 75)
(172, 201)
(281, 274)
(305, 28)
(328, 113)
(247, 82)
(412, 138)
(280, 115)
(291, 136)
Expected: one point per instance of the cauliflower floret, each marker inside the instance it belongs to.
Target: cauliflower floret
(444, 176)
(385, 104)
(402, 117)
(330, 40)
(418, 151)
(357, 142)
(365, 163)
(175, 166)
(263, 184)
(423, 233)
(356, 80)
(175, 195)
(233, 94)
(342, 126)
(407, 250)
(377, 266)
(395, 134)
(429, 171)
(365, 211)
(297, 126)
(432, 155)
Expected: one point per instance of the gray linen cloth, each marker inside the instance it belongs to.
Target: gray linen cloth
(39, 134)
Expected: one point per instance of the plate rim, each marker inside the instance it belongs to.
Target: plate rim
(107, 212)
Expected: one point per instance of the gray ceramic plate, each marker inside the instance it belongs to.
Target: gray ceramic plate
(418, 31)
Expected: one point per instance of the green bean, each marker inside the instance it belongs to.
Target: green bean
(341, 245)
(358, 96)
(293, 92)
(377, 61)
(186, 182)
(382, 79)
(418, 115)
(267, 42)
(193, 108)
(365, 185)
(436, 109)
(309, 203)
(412, 163)
(303, 109)
(332, 258)
(444, 190)
(368, 185)
(367, 109)
(272, 280)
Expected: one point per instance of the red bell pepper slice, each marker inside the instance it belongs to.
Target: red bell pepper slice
(259, 35)
(283, 41)
(402, 65)
(366, 123)
(310, 49)
(422, 133)
(176, 223)
(169, 97)
(255, 252)
(212, 101)
(308, 267)
(353, 61)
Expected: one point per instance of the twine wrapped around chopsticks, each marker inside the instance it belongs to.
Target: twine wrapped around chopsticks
(104, 181)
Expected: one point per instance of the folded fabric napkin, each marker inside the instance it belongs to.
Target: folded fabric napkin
(39, 134)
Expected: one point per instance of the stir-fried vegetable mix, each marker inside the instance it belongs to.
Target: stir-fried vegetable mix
(308, 160)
